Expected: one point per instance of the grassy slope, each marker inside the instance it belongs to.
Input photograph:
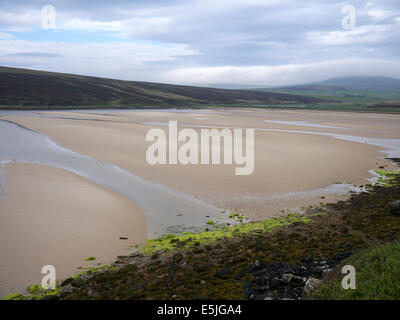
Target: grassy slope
(377, 276)
(30, 88)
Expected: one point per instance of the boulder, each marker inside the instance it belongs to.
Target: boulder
(287, 277)
(311, 285)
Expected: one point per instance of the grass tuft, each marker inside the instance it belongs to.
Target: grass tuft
(377, 276)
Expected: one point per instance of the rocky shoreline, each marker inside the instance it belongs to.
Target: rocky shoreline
(287, 282)
(281, 259)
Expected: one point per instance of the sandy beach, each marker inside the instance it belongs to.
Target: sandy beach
(53, 217)
(299, 157)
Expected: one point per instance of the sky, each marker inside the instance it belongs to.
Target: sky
(204, 42)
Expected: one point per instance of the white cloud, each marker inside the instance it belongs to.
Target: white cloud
(242, 41)
(379, 15)
(111, 59)
(283, 74)
(90, 25)
(23, 21)
(4, 35)
(366, 34)
(146, 26)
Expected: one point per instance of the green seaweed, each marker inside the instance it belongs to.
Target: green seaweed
(33, 288)
(14, 296)
(387, 178)
(171, 242)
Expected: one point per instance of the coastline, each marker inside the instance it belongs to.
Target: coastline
(280, 260)
(55, 127)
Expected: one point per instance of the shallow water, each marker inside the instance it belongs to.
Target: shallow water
(303, 124)
(391, 147)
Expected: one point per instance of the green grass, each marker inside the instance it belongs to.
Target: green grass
(377, 276)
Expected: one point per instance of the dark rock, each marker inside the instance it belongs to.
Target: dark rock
(307, 259)
(223, 272)
(298, 281)
(287, 277)
(261, 289)
(177, 257)
(140, 285)
(172, 268)
(395, 207)
(311, 285)
(178, 283)
(240, 275)
(155, 256)
(254, 266)
(262, 297)
(67, 281)
(248, 289)
(260, 272)
(72, 282)
(273, 283)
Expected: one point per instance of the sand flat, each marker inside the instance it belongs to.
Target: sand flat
(53, 217)
(286, 163)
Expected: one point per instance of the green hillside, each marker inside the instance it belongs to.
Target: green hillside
(352, 93)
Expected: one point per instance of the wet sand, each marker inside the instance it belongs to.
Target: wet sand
(291, 169)
(53, 217)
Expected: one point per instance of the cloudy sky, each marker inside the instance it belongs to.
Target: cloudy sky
(254, 42)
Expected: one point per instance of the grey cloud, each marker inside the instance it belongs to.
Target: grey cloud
(233, 32)
(34, 55)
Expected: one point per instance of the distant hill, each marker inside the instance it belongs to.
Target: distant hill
(23, 88)
(353, 83)
(233, 86)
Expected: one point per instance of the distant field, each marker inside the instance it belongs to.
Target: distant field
(346, 99)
